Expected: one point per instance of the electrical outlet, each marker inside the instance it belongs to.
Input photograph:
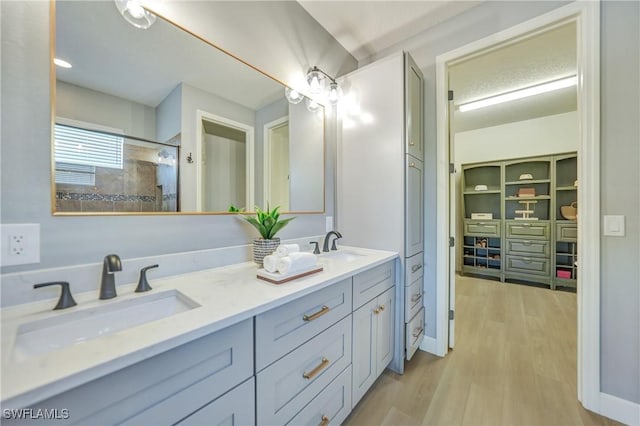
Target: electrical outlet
(20, 244)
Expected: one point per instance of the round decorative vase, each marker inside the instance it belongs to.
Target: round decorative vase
(262, 248)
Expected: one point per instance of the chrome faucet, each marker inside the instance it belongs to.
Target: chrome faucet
(325, 246)
(110, 265)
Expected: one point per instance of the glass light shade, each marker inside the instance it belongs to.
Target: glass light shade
(293, 96)
(334, 95)
(313, 78)
(61, 63)
(312, 105)
(135, 14)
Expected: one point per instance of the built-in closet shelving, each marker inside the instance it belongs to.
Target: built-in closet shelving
(513, 227)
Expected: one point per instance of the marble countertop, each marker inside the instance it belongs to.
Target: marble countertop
(226, 295)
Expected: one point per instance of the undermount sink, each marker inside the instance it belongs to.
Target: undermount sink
(342, 255)
(67, 329)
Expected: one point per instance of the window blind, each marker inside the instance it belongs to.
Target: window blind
(87, 147)
(75, 174)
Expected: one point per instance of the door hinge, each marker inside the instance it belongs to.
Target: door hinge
(450, 95)
(452, 241)
(452, 168)
(451, 314)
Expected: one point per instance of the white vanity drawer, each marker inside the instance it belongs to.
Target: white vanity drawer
(369, 284)
(331, 406)
(235, 408)
(414, 268)
(290, 383)
(413, 297)
(145, 393)
(283, 329)
(414, 333)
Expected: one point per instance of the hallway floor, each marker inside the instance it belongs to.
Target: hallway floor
(514, 363)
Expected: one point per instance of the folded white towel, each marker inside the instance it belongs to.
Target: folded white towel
(270, 263)
(296, 262)
(286, 249)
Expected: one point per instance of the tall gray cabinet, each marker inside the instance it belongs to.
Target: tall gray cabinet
(380, 192)
(514, 225)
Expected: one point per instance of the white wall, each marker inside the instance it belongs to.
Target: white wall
(545, 135)
(169, 115)
(80, 103)
(224, 174)
(295, 42)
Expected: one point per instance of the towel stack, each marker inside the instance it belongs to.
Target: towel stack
(287, 259)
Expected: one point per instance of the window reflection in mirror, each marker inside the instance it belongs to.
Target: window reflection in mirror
(200, 129)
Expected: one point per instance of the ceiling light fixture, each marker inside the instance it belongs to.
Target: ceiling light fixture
(521, 93)
(316, 79)
(61, 63)
(135, 13)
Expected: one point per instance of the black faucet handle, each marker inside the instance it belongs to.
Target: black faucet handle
(316, 248)
(66, 299)
(143, 284)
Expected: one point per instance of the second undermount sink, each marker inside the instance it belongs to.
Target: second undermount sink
(342, 255)
(67, 329)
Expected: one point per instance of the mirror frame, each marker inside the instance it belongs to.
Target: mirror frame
(52, 99)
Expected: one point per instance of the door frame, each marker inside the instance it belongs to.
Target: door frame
(249, 154)
(266, 169)
(586, 15)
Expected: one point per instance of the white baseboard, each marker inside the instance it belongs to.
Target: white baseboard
(619, 409)
(429, 345)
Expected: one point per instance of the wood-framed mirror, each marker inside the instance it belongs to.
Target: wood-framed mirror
(160, 121)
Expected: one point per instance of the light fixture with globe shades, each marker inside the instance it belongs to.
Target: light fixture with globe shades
(293, 96)
(317, 81)
(135, 13)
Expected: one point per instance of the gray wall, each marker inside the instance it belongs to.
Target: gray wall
(295, 42)
(620, 163)
(169, 115)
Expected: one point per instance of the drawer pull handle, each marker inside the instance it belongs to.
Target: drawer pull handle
(526, 243)
(376, 311)
(416, 297)
(526, 260)
(418, 332)
(415, 268)
(325, 421)
(325, 309)
(411, 143)
(412, 164)
(381, 308)
(311, 374)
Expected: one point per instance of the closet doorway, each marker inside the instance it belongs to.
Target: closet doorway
(583, 19)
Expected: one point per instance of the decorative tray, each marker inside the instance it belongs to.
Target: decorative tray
(277, 278)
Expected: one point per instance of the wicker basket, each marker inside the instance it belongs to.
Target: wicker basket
(570, 212)
(262, 248)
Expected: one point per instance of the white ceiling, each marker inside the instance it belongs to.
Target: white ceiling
(367, 27)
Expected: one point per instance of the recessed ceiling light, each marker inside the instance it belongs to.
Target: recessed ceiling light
(61, 63)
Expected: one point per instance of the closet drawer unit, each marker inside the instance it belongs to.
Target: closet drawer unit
(567, 232)
(235, 408)
(283, 329)
(331, 406)
(537, 248)
(482, 228)
(527, 230)
(414, 333)
(289, 384)
(145, 393)
(528, 265)
(413, 299)
(369, 284)
(414, 269)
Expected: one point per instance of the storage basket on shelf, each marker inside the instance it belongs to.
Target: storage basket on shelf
(570, 212)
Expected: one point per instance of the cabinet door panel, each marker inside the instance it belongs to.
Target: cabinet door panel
(413, 299)
(235, 408)
(414, 205)
(384, 335)
(364, 347)
(369, 284)
(414, 108)
(414, 333)
(414, 269)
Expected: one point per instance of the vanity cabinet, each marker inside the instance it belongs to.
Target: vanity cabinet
(373, 332)
(380, 168)
(168, 387)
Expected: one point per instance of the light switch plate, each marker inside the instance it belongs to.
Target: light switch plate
(614, 225)
(20, 244)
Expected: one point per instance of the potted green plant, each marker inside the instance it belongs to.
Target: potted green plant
(268, 223)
